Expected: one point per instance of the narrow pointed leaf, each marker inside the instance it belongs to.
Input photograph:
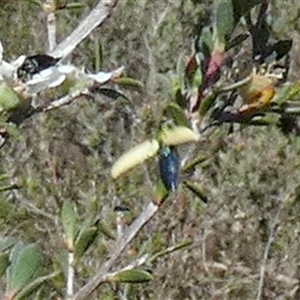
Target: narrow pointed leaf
(32, 287)
(175, 112)
(2, 178)
(191, 68)
(196, 190)
(180, 66)
(69, 218)
(26, 265)
(8, 187)
(9, 99)
(73, 5)
(134, 157)
(7, 243)
(192, 164)
(131, 276)
(169, 168)
(180, 99)
(14, 256)
(36, 2)
(4, 263)
(289, 92)
(178, 135)
(237, 41)
(128, 82)
(161, 192)
(113, 94)
(84, 240)
(169, 250)
(204, 45)
(224, 23)
(106, 230)
(207, 103)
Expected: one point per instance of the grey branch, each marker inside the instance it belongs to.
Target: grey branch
(65, 100)
(116, 250)
(94, 19)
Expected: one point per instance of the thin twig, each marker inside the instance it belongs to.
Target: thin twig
(70, 276)
(266, 254)
(116, 251)
(63, 101)
(51, 24)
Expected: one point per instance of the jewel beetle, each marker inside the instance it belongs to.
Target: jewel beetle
(169, 165)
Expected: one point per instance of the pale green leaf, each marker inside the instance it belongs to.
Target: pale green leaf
(134, 157)
(223, 23)
(69, 218)
(127, 82)
(24, 264)
(30, 288)
(9, 99)
(4, 262)
(178, 135)
(130, 276)
(84, 240)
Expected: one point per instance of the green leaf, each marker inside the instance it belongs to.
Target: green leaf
(130, 276)
(180, 99)
(30, 288)
(169, 250)
(174, 91)
(113, 94)
(192, 164)
(134, 157)
(193, 75)
(10, 128)
(237, 41)
(84, 240)
(180, 67)
(265, 120)
(196, 190)
(14, 255)
(69, 218)
(205, 44)
(74, 5)
(161, 193)
(9, 99)
(36, 2)
(207, 103)
(178, 135)
(4, 177)
(223, 24)
(128, 82)
(25, 261)
(175, 112)
(8, 187)
(288, 92)
(4, 263)
(106, 230)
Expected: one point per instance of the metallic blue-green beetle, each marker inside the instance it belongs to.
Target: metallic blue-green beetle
(169, 168)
